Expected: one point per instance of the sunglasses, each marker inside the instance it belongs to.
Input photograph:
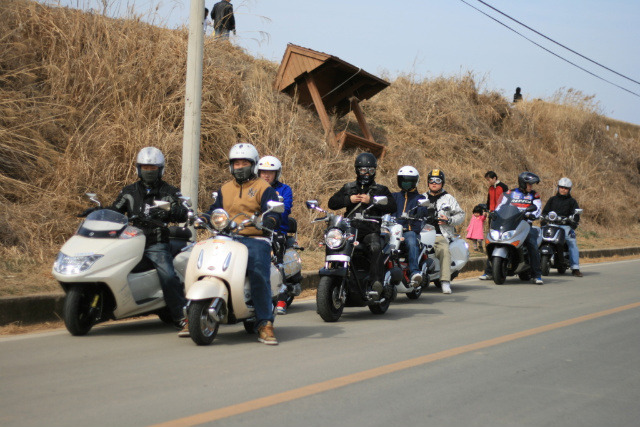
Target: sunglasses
(370, 171)
(435, 181)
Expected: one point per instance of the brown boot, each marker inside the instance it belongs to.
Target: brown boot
(265, 334)
(576, 273)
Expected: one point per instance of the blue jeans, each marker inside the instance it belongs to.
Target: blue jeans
(574, 253)
(413, 250)
(259, 273)
(173, 291)
(534, 253)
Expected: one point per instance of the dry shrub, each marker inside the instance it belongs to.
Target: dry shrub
(81, 94)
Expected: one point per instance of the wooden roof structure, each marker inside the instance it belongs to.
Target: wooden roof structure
(330, 84)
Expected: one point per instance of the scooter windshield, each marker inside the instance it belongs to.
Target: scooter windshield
(103, 223)
(507, 217)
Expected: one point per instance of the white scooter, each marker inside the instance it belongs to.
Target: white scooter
(103, 273)
(217, 287)
(458, 248)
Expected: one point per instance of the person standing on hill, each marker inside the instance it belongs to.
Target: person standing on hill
(206, 22)
(565, 205)
(475, 229)
(223, 20)
(517, 96)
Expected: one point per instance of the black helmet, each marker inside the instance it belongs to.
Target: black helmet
(436, 173)
(369, 161)
(527, 178)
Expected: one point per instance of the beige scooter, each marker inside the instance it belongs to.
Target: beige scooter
(216, 283)
(102, 272)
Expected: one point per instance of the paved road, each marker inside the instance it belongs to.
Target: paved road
(563, 354)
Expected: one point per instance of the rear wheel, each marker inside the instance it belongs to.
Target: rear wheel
(202, 327)
(562, 270)
(165, 315)
(499, 269)
(328, 301)
(525, 276)
(249, 325)
(415, 293)
(545, 264)
(82, 309)
(380, 307)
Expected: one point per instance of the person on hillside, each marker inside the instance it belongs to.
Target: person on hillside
(358, 195)
(565, 205)
(206, 22)
(137, 199)
(522, 197)
(407, 200)
(270, 169)
(517, 96)
(247, 193)
(496, 188)
(475, 229)
(444, 223)
(223, 19)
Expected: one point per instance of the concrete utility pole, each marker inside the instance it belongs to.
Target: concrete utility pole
(193, 103)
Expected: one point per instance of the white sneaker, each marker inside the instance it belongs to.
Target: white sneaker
(416, 279)
(485, 277)
(446, 287)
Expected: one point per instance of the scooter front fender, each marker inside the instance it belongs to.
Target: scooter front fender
(208, 288)
(546, 250)
(500, 252)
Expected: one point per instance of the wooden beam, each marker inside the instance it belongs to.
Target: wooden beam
(355, 106)
(317, 101)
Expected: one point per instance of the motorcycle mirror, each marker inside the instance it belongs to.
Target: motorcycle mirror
(380, 200)
(277, 207)
(532, 208)
(312, 204)
(423, 202)
(186, 200)
(578, 211)
(161, 204)
(92, 197)
(214, 196)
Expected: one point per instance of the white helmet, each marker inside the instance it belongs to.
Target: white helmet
(150, 156)
(246, 151)
(270, 163)
(408, 175)
(565, 182)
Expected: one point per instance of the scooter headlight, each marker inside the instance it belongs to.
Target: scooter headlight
(508, 235)
(70, 265)
(495, 235)
(334, 238)
(219, 219)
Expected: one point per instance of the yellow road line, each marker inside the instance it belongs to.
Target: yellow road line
(287, 396)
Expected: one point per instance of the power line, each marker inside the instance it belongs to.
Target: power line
(559, 44)
(551, 52)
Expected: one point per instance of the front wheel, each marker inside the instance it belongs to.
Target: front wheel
(82, 309)
(415, 293)
(562, 269)
(499, 269)
(545, 264)
(202, 327)
(328, 299)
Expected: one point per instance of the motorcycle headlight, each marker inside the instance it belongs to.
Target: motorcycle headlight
(69, 265)
(507, 235)
(219, 219)
(334, 238)
(495, 235)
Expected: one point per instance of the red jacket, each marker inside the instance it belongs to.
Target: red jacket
(495, 191)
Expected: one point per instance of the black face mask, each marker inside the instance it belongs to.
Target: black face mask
(149, 177)
(244, 174)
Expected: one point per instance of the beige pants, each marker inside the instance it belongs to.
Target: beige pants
(443, 254)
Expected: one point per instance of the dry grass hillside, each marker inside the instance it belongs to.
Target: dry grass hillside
(80, 94)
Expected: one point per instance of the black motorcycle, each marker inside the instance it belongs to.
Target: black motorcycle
(344, 281)
(554, 251)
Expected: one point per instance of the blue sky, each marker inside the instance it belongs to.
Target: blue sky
(429, 38)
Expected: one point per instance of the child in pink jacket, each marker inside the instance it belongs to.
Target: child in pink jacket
(475, 230)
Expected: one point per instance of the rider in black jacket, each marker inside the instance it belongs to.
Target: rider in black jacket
(136, 200)
(356, 197)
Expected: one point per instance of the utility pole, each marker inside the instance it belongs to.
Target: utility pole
(193, 103)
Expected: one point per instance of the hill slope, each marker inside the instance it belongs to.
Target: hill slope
(80, 94)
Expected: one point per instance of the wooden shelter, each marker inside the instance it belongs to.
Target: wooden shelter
(330, 85)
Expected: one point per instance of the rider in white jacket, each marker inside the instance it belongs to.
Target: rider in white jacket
(449, 214)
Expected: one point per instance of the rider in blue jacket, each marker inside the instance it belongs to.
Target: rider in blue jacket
(406, 200)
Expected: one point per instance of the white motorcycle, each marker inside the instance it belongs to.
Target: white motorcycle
(458, 248)
(104, 274)
(217, 287)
